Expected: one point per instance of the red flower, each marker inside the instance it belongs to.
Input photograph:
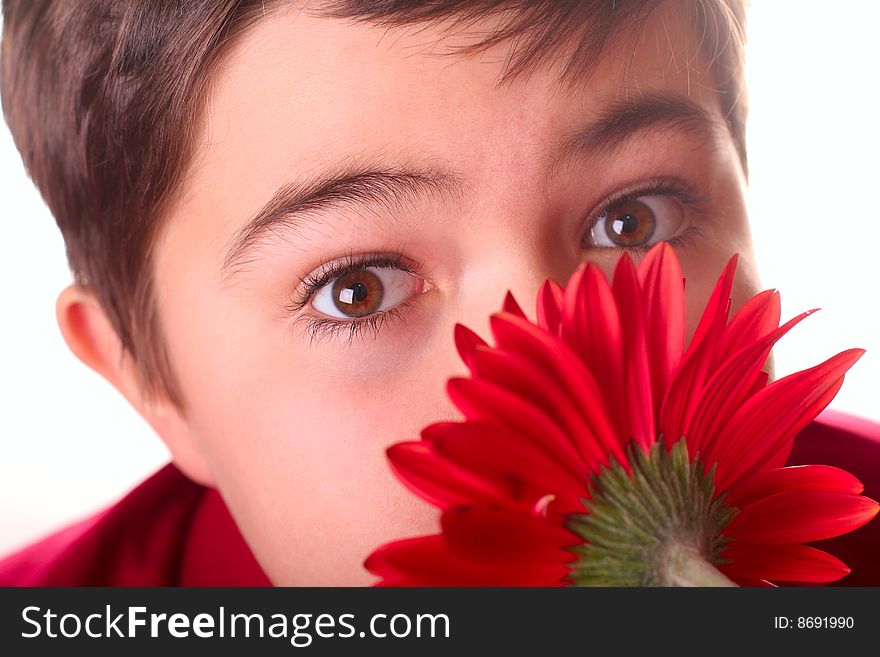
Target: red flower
(596, 450)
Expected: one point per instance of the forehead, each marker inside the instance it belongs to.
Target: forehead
(299, 92)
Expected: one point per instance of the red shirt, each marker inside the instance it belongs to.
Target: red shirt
(170, 531)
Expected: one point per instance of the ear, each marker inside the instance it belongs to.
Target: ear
(91, 337)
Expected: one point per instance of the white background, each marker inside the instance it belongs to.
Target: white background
(69, 444)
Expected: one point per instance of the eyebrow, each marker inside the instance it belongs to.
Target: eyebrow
(296, 204)
(299, 203)
(622, 120)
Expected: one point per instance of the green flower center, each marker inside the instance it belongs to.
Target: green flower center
(658, 526)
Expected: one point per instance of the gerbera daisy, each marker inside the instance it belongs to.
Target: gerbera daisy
(596, 450)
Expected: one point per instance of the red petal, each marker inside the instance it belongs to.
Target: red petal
(799, 477)
(499, 454)
(439, 481)
(756, 318)
(637, 368)
(683, 396)
(717, 310)
(487, 534)
(663, 292)
(771, 418)
(483, 400)
(779, 459)
(466, 341)
(531, 381)
(383, 561)
(798, 516)
(728, 388)
(520, 336)
(511, 306)
(591, 328)
(427, 561)
(549, 307)
(790, 563)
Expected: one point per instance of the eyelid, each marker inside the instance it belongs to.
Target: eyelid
(668, 186)
(397, 286)
(330, 270)
(660, 186)
(321, 328)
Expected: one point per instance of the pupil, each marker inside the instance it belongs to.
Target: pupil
(630, 224)
(626, 224)
(359, 292)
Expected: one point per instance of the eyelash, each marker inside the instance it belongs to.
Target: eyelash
(320, 328)
(681, 191)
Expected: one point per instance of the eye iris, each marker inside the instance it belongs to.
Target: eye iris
(358, 293)
(630, 224)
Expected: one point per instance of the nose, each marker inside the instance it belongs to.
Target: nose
(519, 265)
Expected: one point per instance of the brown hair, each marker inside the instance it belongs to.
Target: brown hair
(103, 97)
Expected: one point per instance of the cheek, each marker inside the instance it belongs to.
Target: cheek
(296, 441)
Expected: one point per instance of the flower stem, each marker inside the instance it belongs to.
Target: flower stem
(683, 565)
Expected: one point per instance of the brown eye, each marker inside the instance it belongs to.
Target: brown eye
(366, 291)
(638, 222)
(358, 293)
(630, 224)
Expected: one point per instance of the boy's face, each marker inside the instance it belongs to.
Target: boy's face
(288, 413)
